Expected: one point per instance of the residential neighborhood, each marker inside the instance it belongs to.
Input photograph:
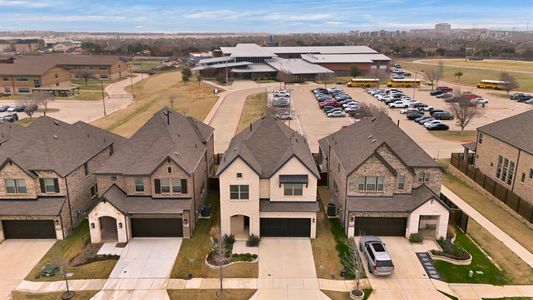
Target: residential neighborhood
(301, 150)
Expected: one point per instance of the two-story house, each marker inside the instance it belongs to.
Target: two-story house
(156, 184)
(382, 182)
(46, 176)
(268, 183)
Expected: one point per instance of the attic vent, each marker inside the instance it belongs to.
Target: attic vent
(373, 119)
(55, 136)
(370, 136)
(373, 141)
(234, 149)
(177, 153)
(56, 122)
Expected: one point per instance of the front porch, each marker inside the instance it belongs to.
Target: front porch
(240, 227)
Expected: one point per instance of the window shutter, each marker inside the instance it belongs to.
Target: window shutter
(56, 185)
(157, 184)
(41, 183)
(184, 186)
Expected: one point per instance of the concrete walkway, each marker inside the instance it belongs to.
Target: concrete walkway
(479, 291)
(508, 241)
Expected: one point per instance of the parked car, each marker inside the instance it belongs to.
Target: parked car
(398, 77)
(442, 115)
(3, 108)
(378, 259)
(444, 88)
(406, 111)
(10, 118)
(351, 109)
(280, 101)
(436, 92)
(329, 103)
(336, 114)
(284, 115)
(479, 101)
(432, 123)
(399, 104)
(328, 109)
(445, 96)
(434, 110)
(11, 109)
(414, 115)
(438, 127)
(422, 106)
(424, 119)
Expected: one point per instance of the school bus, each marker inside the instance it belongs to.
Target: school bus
(491, 84)
(363, 82)
(404, 83)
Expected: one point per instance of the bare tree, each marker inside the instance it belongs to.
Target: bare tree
(31, 109)
(41, 99)
(370, 110)
(510, 82)
(85, 74)
(352, 260)
(433, 77)
(219, 255)
(464, 111)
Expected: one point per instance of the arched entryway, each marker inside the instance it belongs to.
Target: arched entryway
(240, 227)
(108, 229)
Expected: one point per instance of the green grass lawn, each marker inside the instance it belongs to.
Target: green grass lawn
(255, 107)
(80, 295)
(197, 294)
(456, 136)
(480, 262)
(193, 251)
(63, 252)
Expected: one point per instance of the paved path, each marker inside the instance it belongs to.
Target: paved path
(487, 291)
(508, 241)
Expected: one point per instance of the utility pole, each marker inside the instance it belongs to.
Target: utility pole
(414, 86)
(131, 80)
(103, 96)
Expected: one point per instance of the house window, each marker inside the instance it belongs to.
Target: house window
(523, 178)
(176, 185)
(17, 186)
(24, 90)
(338, 167)
(165, 185)
(480, 140)
(7, 90)
(104, 76)
(239, 175)
(511, 173)
(505, 165)
(530, 173)
(94, 190)
(238, 192)
(423, 177)
(22, 78)
(139, 184)
(86, 169)
(499, 168)
(169, 170)
(401, 182)
(37, 83)
(111, 150)
(56, 76)
(370, 183)
(113, 178)
(6, 78)
(49, 185)
(293, 189)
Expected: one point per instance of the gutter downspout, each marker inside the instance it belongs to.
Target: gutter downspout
(69, 206)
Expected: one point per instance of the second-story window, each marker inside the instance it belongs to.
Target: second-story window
(239, 192)
(166, 185)
(423, 177)
(86, 169)
(480, 140)
(401, 182)
(139, 184)
(293, 189)
(17, 186)
(49, 185)
(370, 183)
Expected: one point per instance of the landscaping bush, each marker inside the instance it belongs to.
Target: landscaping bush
(243, 257)
(253, 241)
(229, 239)
(342, 246)
(451, 250)
(416, 238)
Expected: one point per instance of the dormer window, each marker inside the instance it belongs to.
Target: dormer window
(15, 186)
(423, 177)
(293, 189)
(49, 185)
(239, 175)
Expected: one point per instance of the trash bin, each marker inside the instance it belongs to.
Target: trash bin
(206, 210)
(332, 210)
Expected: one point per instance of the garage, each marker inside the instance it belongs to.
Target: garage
(285, 227)
(383, 226)
(29, 229)
(156, 227)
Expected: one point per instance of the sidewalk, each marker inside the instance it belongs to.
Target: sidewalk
(513, 245)
(478, 291)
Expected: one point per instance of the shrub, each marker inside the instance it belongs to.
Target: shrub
(451, 250)
(253, 241)
(416, 238)
(242, 257)
(229, 239)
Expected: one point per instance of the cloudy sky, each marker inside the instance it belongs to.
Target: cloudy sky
(275, 16)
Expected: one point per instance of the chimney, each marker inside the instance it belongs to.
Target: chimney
(167, 114)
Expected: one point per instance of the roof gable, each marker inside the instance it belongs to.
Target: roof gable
(516, 130)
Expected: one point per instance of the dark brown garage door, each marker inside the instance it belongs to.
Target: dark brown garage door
(29, 229)
(380, 226)
(156, 227)
(282, 227)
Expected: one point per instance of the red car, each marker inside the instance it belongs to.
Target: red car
(444, 89)
(329, 103)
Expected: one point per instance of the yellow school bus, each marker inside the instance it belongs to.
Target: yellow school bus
(406, 83)
(363, 82)
(491, 84)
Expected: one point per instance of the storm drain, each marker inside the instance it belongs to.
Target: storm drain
(428, 265)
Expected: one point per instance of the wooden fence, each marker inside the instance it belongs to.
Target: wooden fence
(519, 205)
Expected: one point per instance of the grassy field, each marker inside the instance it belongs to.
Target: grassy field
(80, 295)
(143, 64)
(255, 107)
(197, 294)
(456, 136)
(344, 295)
(480, 262)
(152, 94)
(471, 75)
(93, 84)
(492, 64)
(193, 251)
(63, 252)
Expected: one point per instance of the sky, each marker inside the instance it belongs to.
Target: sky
(273, 16)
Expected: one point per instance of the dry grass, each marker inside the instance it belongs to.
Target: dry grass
(493, 64)
(456, 136)
(80, 295)
(255, 107)
(154, 93)
(197, 294)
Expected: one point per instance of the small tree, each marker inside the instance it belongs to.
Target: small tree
(354, 71)
(458, 74)
(42, 99)
(31, 109)
(219, 255)
(85, 74)
(464, 111)
(510, 82)
(370, 110)
(352, 260)
(432, 76)
(186, 74)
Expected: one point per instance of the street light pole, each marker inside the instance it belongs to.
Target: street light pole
(132, 87)
(103, 96)
(414, 86)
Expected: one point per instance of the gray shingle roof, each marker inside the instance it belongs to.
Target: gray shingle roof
(42, 206)
(266, 205)
(184, 140)
(267, 147)
(145, 204)
(396, 203)
(355, 143)
(516, 130)
(49, 144)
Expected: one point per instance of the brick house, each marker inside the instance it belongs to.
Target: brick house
(382, 182)
(46, 176)
(22, 77)
(268, 183)
(156, 184)
(504, 152)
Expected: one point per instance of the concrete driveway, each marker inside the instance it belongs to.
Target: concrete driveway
(409, 280)
(147, 258)
(287, 270)
(17, 258)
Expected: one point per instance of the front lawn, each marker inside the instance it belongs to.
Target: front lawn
(76, 254)
(197, 294)
(465, 136)
(480, 263)
(193, 251)
(255, 107)
(80, 295)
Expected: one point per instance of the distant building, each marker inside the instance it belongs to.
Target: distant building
(64, 47)
(196, 57)
(5, 46)
(27, 46)
(443, 27)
